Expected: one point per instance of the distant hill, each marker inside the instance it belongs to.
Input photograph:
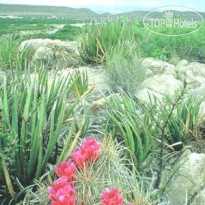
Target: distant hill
(45, 11)
(67, 12)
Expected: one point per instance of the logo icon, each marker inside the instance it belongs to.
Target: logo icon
(173, 21)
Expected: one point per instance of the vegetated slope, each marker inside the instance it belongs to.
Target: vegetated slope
(45, 11)
(141, 14)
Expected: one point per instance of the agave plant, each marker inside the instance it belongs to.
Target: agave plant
(80, 80)
(101, 37)
(182, 124)
(127, 124)
(34, 113)
(11, 57)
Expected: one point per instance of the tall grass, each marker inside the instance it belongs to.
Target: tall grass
(127, 124)
(11, 57)
(101, 37)
(125, 67)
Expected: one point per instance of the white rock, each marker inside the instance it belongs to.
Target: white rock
(188, 180)
(158, 67)
(52, 53)
(200, 198)
(158, 85)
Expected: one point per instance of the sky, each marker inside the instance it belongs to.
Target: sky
(113, 6)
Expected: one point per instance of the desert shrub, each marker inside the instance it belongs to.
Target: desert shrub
(10, 55)
(36, 113)
(80, 83)
(99, 38)
(125, 67)
(190, 47)
(129, 126)
(110, 170)
(177, 116)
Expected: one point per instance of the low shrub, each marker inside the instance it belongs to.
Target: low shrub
(125, 67)
(130, 127)
(99, 38)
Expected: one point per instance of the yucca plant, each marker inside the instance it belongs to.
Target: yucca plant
(11, 57)
(181, 125)
(127, 124)
(80, 82)
(178, 116)
(101, 37)
(189, 113)
(34, 113)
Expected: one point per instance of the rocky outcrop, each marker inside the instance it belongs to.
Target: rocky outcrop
(52, 53)
(156, 67)
(97, 76)
(193, 74)
(158, 85)
(188, 182)
(165, 78)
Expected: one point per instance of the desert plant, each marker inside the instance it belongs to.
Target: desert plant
(125, 67)
(11, 57)
(127, 124)
(80, 82)
(109, 170)
(100, 37)
(34, 110)
(174, 121)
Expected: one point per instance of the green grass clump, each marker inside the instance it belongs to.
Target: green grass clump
(100, 38)
(176, 117)
(10, 55)
(125, 69)
(130, 127)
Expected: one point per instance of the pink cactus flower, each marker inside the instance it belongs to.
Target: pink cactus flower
(91, 149)
(62, 193)
(66, 170)
(111, 197)
(79, 158)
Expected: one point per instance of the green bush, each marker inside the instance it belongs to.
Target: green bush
(11, 57)
(99, 38)
(125, 68)
(190, 47)
(127, 124)
(175, 117)
(67, 33)
(34, 110)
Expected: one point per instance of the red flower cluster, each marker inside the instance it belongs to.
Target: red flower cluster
(63, 191)
(112, 197)
(66, 170)
(89, 151)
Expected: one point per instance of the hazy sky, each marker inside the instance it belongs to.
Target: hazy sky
(114, 6)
